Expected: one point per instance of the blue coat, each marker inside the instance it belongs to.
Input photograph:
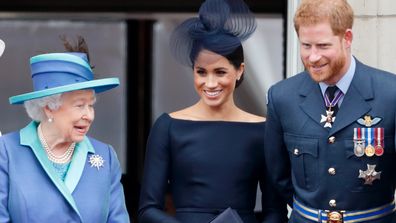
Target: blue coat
(296, 140)
(31, 192)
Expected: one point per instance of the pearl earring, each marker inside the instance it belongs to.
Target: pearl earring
(50, 120)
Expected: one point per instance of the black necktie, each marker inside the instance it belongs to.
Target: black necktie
(330, 92)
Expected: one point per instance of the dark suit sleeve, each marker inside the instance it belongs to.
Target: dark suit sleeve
(274, 207)
(276, 155)
(156, 175)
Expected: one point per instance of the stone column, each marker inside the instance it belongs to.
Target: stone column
(374, 31)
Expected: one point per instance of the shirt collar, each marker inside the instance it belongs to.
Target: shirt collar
(346, 80)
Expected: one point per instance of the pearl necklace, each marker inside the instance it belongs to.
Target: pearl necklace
(62, 159)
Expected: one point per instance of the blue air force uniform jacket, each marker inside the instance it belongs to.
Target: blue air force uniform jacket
(317, 165)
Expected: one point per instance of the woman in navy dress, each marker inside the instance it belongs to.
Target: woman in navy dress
(209, 155)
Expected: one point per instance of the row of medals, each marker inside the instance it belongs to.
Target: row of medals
(360, 148)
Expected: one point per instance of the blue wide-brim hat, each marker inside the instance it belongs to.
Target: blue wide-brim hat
(55, 73)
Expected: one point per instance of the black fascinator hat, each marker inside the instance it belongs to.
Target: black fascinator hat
(221, 27)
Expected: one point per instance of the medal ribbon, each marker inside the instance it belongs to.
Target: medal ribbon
(369, 136)
(363, 133)
(357, 134)
(379, 136)
(335, 100)
(359, 141)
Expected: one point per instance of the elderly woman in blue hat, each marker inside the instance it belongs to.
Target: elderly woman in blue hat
(50, 171)
(210, 155)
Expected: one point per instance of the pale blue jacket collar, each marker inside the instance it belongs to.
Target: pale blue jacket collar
(29, 137)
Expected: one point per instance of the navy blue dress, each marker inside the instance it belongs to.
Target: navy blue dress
(209, 166)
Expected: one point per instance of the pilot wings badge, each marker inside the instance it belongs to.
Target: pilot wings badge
(368, 120)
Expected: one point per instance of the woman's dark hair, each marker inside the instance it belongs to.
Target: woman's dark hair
(236, 58)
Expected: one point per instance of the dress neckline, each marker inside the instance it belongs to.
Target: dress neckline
(211, 121)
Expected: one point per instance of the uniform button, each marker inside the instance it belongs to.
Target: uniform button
(332, 203)
(331, 171)
(296, 151)
(332, 139)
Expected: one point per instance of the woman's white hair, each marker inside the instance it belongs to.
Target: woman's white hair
(35, 107)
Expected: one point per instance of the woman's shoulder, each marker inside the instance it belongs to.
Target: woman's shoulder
(101, 148)
(184, 114)
(10, 142)
(96, 142)
(244, 116)
(161, 124)
(162, 119)
(249, 117)
(12, 137)
(99, 145)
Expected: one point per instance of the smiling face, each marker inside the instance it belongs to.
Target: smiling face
(326, 56)
(215, 78)
(74, 117)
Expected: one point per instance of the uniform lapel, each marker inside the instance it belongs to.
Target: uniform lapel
(30, 138)
(355, 103)
(78, 163)
(312, 103)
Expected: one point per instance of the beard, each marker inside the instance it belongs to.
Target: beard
(330, 73)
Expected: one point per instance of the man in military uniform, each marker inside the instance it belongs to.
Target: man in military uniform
(330, 136)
